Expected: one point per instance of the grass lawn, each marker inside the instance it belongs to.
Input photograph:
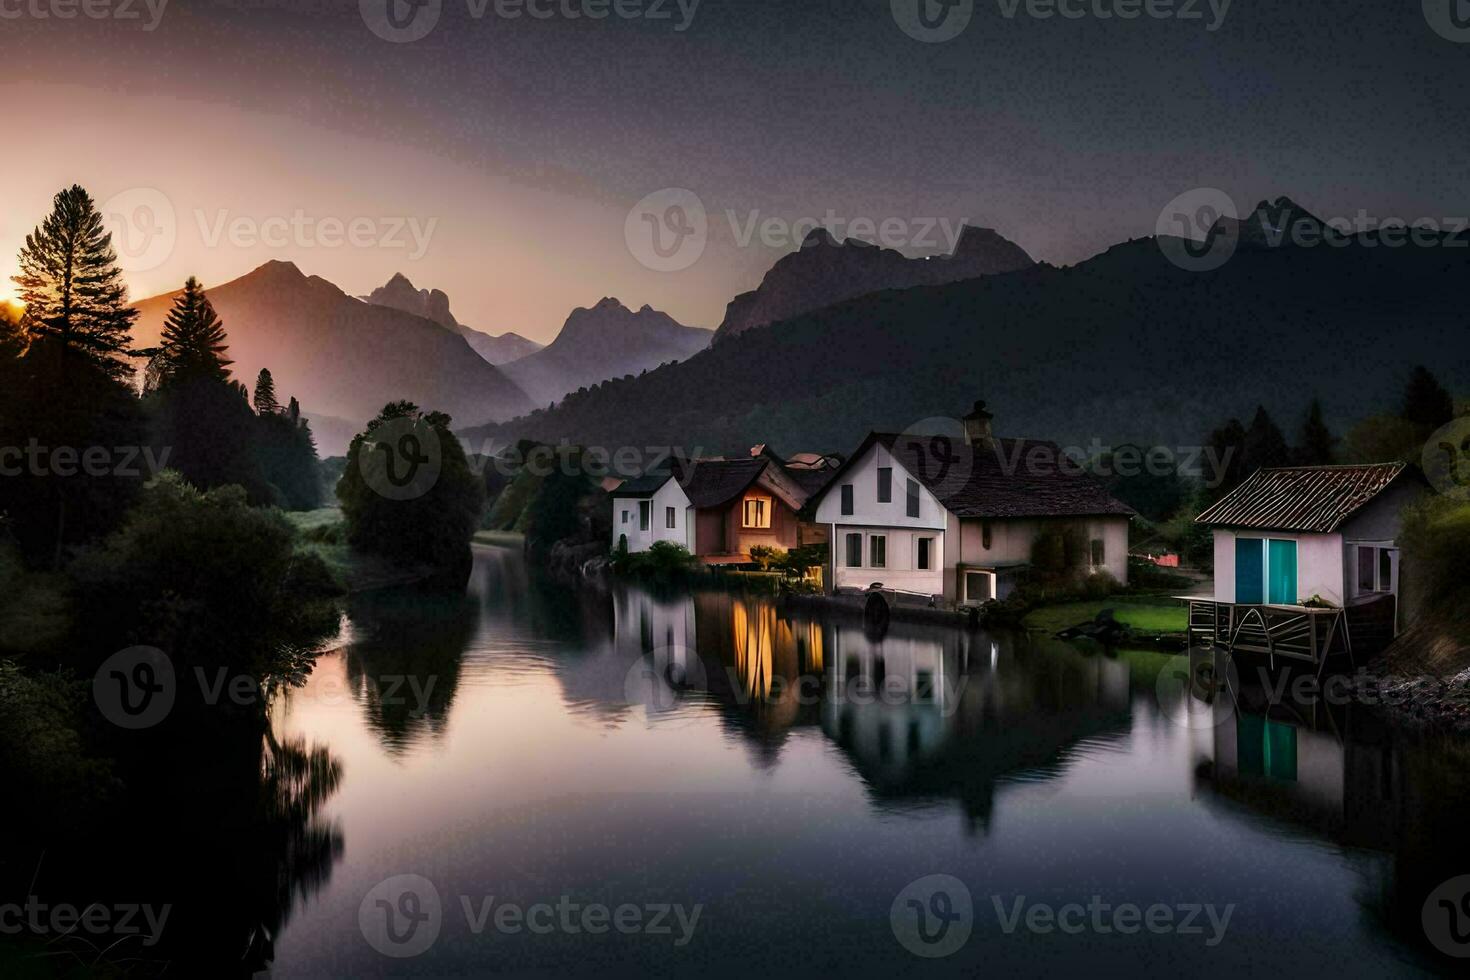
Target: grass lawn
(1147, 614)
(305, 520)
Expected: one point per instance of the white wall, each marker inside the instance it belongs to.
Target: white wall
(863, 475)
(1319, 564)
(1012, 539)
(668, 495)
(900, 571)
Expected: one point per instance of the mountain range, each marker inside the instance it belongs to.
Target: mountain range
(607, 341)
(343, 358)
(825, 271)
(1125, 346)
(432, 304)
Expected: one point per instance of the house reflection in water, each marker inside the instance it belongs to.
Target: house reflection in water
(966, 712)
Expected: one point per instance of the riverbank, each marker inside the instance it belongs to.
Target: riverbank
(320, 532)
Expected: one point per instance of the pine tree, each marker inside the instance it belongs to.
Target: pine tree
(265, 394)
(72, 287)
(293, 410)
(193, 338)
(1426, 403)
(1265, 446)
(1317, 445)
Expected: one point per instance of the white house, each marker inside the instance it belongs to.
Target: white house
(1291, 535)
(958, 520)
(650, 508)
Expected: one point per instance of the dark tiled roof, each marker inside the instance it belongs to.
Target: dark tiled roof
(1302, 498)
(1011, 478)
(712, 482)
(643, 486)
(811, 481)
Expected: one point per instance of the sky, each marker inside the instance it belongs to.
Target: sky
(514, 161)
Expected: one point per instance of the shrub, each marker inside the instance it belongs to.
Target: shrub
(663, 559)
(767, 557)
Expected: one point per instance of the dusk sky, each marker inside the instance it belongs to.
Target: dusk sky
(517, 146)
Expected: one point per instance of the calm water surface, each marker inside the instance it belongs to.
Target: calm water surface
(554, 761)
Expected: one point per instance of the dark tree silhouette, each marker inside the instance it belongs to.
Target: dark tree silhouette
(1426, 403)
(193, 338)
(1317, 446)
(265, 394)
(1265, 446)
(1227, 446)
(72, 288)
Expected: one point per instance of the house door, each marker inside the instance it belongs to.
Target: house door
(1281, 577)
(1250, 570)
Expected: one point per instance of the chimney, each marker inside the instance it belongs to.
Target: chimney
(977, 427)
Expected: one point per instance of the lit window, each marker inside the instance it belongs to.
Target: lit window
(757, 512)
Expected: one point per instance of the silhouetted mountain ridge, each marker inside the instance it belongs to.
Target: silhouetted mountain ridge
(433, 304)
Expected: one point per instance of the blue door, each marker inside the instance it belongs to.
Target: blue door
(1281, 589)
(1250, 570)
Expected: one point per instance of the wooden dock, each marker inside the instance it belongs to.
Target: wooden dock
(1305, 633)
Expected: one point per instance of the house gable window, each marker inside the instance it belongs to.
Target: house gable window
(854, 547)
(671, 518)
(885, 484)
(757, 513)
(878, 550)
(645, 514)
(924, 556)
(913, 501)
(847, 499)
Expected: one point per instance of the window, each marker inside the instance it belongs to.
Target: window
(757, 512)
(847, 498)
(985, 535)
(670, 517)
(1099, 553)
(626, 514)
(913, 488)
(854, 551)
(1375, 569)
(878, 550)
(645, 514)
(924, 559)
(885, 484)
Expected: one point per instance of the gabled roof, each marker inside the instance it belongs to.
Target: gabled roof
(1302, 498)
(1010, 478)
(712, 482)
(644, 486)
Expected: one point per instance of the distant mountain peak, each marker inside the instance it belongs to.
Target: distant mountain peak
(824, 271)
